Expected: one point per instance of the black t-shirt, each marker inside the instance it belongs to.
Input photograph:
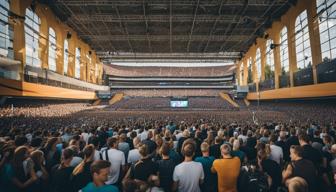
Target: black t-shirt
(80, 180)
(166, 170)
(312, 154)
(285, 149)
(61, 179)
(150, 144)
(215, 151)
(143, 169)
(292, 140)
(305, 169)
(273, 169)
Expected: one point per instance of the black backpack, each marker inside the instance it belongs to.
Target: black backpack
(252, 181)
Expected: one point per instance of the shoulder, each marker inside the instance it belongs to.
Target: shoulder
(110, 188)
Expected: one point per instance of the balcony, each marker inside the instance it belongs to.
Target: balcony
(304, 77)
(326, 71)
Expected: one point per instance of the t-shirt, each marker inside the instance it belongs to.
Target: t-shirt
(82, 179)
(276, 153)
(188, 181)
(312, 154)
(227, 172)
(61, 178)
(305, 169)
(106, 188)
(273, 169)
(117, 159)
(133, 156)
(210, 178)
(143, 169)
(166, 169)
(239, 154)
(215, 151)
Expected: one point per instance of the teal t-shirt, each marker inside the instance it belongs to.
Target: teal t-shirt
(106, 188)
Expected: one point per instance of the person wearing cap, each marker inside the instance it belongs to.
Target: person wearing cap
(227, 170)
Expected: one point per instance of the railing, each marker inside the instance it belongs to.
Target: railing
(252, 87)
(46, 77)
(284, 81)
(266, 84)
(304, 77)
(326, 71)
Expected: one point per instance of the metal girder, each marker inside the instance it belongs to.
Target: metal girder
(87, 18)
(193, 25)
(170, 25)
(129, 3)
(214, 25)
(146, 24)
(125, 29)
(162, 37)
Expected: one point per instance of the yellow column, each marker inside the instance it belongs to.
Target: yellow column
(314, 37)
(19, 45)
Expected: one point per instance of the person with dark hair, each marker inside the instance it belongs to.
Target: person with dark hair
(271, 168)
(117, 160)
(301, 167)
(308, 152)
(52, 155)
(227, 170)
(183, 180)
(61, 174)
(215, 148)
(100, 171)
(20, 140)
(166, 168)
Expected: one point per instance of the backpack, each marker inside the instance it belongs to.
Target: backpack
(106, 155)
(252, 181)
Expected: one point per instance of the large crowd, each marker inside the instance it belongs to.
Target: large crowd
(275, 146)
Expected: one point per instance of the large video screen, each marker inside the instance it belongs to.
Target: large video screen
(179, 103)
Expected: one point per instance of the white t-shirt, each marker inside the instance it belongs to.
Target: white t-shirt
(117, 159)
(144, 135)
(133, 156)
(276, 153)
(96, 155)
(187, 180)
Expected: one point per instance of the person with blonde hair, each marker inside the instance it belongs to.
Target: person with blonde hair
(206, 160)
(81, 175)
(297, 184)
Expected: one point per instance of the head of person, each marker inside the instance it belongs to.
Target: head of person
(297, 184)
(112, 142)
(37, 156)
(164, 150)
(295, 152)
(143, 150)
(225, 149)
(94, 141)
(51, 143)
(20, 154)
(130, 185)
(205, 148)
(303, 138)
(188, 149)
(67, 156)
(100, 170)
(236, 145)
(261, 155)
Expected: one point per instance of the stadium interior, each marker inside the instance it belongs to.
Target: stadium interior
(253, 80)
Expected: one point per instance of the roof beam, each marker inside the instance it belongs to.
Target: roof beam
(193, 25)
(170, 25)
(146, 24)
(227, 18)
(164, 37)
(122, 26)
(214, 26)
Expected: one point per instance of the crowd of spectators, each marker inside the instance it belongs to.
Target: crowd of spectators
(270, 147)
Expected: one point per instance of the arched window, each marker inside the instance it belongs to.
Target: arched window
(284, 51)
(66, 57)
(302, 44)
(241, 73)
(250, 70)
(52, 49)
(77, 63)
(258, 63)
(269, 67)
(6, 31)
(32, 33)
(326, 11)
